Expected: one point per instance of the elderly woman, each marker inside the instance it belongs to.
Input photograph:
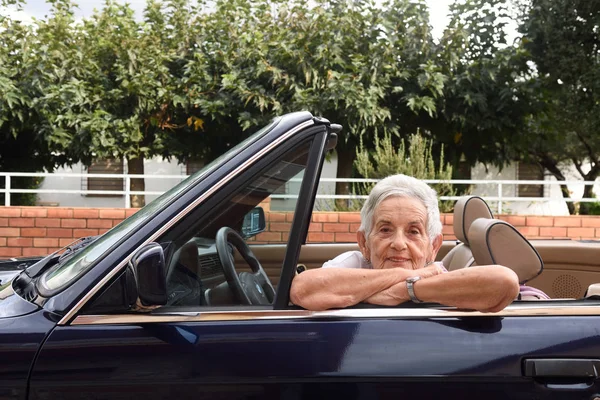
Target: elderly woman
(399, 238)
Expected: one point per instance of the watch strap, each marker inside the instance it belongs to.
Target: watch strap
(411, 290)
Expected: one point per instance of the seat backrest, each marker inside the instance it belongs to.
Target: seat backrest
(188, 257)
(593, 291)
(184, 277)
(466, 210)
(497, 242)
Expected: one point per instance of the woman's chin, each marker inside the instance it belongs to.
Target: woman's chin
(403, 264)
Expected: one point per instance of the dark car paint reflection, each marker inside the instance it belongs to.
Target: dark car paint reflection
(429, 347)
(310, 359)
(362, 348)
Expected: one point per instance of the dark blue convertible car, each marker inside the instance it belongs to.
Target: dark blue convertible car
(181, 301)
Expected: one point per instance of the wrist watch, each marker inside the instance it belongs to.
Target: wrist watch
(411, 290)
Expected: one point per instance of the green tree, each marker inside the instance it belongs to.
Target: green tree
(417, 160)
(230, 86)
(109, 88)
(259, 59)
(486, 103)
(188, 82)
(562, 39)
(22, 148)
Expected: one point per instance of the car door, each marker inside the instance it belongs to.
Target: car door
(524, 352)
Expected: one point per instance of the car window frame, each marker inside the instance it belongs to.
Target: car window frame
(204, 212)
(316, 154)
(119, 233)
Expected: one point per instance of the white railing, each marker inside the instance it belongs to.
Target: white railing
(8, 189)
(500, 198)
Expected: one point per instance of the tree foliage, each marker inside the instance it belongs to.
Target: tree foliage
(486, 103)
(562, 40)
(188, 81)
(416, 160)
(22, 147)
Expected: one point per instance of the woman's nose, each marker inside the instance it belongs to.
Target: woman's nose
(399, 241)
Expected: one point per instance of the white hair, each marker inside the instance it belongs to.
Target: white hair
(402, 186)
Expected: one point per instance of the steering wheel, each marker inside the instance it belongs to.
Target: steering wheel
(249, 288)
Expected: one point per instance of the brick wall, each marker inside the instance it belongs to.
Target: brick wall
(341, 227)
(31, 231)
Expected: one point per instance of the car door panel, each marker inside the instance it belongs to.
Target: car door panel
(569, 267)
(317, 357)
(20, 340)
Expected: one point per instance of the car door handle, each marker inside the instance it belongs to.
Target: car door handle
(561, 368)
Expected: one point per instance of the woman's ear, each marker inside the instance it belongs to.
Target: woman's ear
(362, 244)
(436, 246)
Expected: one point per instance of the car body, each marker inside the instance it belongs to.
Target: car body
(162, 307)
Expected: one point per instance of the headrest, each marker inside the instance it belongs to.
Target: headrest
(466, 210)
(497, 242)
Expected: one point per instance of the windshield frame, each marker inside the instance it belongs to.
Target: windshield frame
(52, 282)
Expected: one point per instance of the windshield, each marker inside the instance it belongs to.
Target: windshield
(65, 273)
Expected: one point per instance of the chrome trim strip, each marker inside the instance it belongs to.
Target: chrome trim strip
(398, 313)
(69, 315)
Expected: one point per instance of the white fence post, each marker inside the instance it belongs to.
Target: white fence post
(499, 198)
(127, 190)
(7, 191)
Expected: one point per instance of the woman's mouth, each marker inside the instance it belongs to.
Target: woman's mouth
(396, 260)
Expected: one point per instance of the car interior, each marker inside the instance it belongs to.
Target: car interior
(562, 269)
(202, 274)
(209, 260)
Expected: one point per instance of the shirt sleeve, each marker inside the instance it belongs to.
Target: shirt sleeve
(349, 259)
(528, 293)
(441, 265)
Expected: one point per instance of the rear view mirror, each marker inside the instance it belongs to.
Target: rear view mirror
(254, 222)
(149, 269)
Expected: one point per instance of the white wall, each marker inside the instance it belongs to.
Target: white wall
(554, 206)
(327, 188)
(151, 167)
(158, 167)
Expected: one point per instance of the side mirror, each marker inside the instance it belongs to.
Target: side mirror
(254, 222)
(150, 276)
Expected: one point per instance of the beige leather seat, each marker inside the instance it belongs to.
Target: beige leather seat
(466, 210)
(498, 242)
(593, 291)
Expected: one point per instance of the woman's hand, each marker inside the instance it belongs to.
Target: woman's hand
(398, 293)
(427, 272)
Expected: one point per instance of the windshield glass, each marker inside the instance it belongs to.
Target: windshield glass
(62, 275)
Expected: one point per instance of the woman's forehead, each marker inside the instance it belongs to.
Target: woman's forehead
(405, 208)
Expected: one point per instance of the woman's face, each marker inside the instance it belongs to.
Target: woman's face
(399, 237)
